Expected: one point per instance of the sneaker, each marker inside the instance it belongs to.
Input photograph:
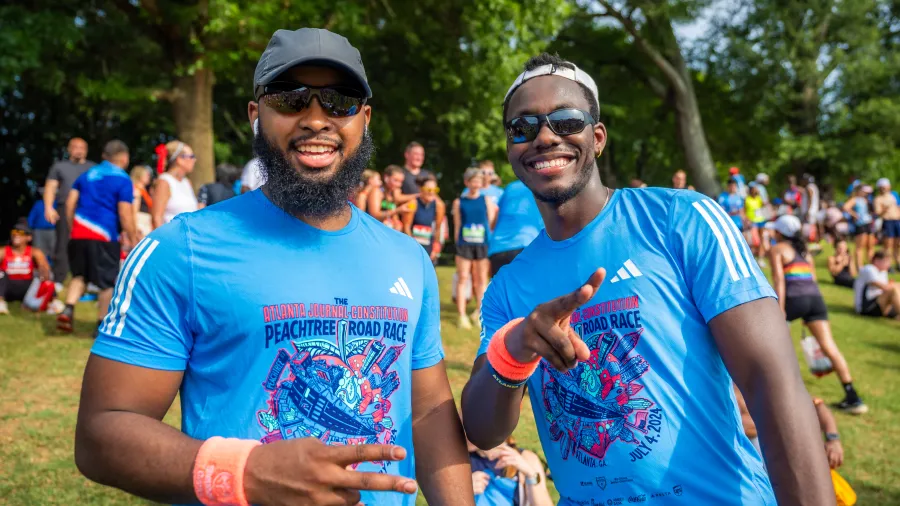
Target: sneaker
(64, 322)
(856, 407)
(465, 323)
(55, 307)
(88, 297)
(4, 309)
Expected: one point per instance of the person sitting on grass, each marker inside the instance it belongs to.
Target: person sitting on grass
(833, 448)
(840, 265)
(874, 294)
(508, 476)
(18, 262)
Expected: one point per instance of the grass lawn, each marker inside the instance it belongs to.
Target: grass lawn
(40, 377)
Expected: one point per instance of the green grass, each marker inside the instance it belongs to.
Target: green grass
(40, 378)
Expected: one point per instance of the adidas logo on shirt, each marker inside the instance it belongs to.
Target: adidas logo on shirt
(629, 270)
(400, 288)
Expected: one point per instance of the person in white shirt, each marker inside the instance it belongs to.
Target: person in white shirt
(173, 193)
(251, 178)
(875, 294)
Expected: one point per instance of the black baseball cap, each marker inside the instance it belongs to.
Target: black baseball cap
(288, 49)
(22, 226)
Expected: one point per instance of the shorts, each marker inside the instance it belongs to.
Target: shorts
(96, 261)
(809, 307)
(845, 279)
(760, 225)
(870, 307)
(891, 229)
(868, 228)
(472, 251)
(498, 260)
(13, 289)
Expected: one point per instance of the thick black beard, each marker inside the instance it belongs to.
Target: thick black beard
(561, 196)
(300, 196)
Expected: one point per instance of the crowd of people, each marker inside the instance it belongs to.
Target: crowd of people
(287, 356)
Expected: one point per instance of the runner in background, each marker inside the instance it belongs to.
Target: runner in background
(19, 262)
(857, 207)
(141, 175)
(222, 189)
(888, 209)
(518, 223)
(733, 203)
(874, 293)
(762, 181)
(756, 234)
(369, 183)
(679, 181)
(251, 178)
(794, 196)
(44, 232)
(810, 216)
(383, 203)
(735, 173)
(794, 280)
(100, 203)
(492, 189)
(173, 193)
(473, 217)
(684, 311)
(428, 212)
(56, 190)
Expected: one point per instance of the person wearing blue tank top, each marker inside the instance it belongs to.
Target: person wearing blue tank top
(857, 207)
(474, 216)
(424, 222)
(630, 373)
(306, 376)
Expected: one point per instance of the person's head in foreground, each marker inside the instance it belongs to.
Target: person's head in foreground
(679, 180)
(116, 153)
(414, 156)
(473, 178)
(312, 141)
(428, 188)
(179, 158)
(626, 318)
(339, 380)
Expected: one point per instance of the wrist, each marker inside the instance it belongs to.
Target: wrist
(515, 344)
(254, 489)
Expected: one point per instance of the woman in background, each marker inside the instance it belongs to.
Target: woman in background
(841, 267)
(428, 212)
(473, 217)
(857, 207)
(383, 204)
(369, 183)
(173, 193)
(143, 202)
(794, 280)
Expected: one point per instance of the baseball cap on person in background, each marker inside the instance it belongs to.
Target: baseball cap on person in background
(734, 170)
(762, 178)
(22, 227)
(883, 183)
(308, 46)
(867, 189)
(787, 225)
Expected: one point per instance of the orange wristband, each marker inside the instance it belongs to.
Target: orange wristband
(219, 471)
(504, 363)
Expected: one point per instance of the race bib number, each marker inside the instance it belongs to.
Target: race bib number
(474, 233)
(422, 234)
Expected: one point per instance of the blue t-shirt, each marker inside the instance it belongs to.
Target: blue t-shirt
(36, 219)
(652, 414)
(733, 204)
(282, 330)
(518, 220)
(100, 190)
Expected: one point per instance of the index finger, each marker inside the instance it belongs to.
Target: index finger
(563, 307)
(381, 482)
(353, 454)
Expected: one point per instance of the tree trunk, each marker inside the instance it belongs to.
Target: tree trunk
(692, 138)
(192, 110)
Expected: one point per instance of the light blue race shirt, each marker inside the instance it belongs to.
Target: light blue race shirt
(651, 416)
(282, 330)
(518, 220)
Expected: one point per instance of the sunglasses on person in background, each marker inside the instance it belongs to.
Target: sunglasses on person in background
(291, 98)
(561, 122)
(431, 190)
(19, 233)
(188, 156)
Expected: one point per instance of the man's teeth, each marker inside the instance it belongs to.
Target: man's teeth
(314, 148)
(556, 162)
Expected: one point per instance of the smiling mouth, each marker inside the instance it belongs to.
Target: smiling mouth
(315, 155)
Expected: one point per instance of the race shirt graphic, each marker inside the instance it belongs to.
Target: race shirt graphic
(650, 416)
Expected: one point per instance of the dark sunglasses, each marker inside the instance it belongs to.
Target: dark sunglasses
(291, 98)
(561, 122)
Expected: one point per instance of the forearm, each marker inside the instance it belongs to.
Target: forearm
(50, 188)
(490, 410)
(826, 420)
(792, 447)
(137, 454)
(442, 462)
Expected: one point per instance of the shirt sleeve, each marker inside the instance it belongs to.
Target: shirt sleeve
(493, 313)
(148, 323)
(54, 173)
(427, 348)
(126, 190)
(718, 266)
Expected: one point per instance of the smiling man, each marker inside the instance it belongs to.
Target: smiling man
(306, 378)
(630, 379)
